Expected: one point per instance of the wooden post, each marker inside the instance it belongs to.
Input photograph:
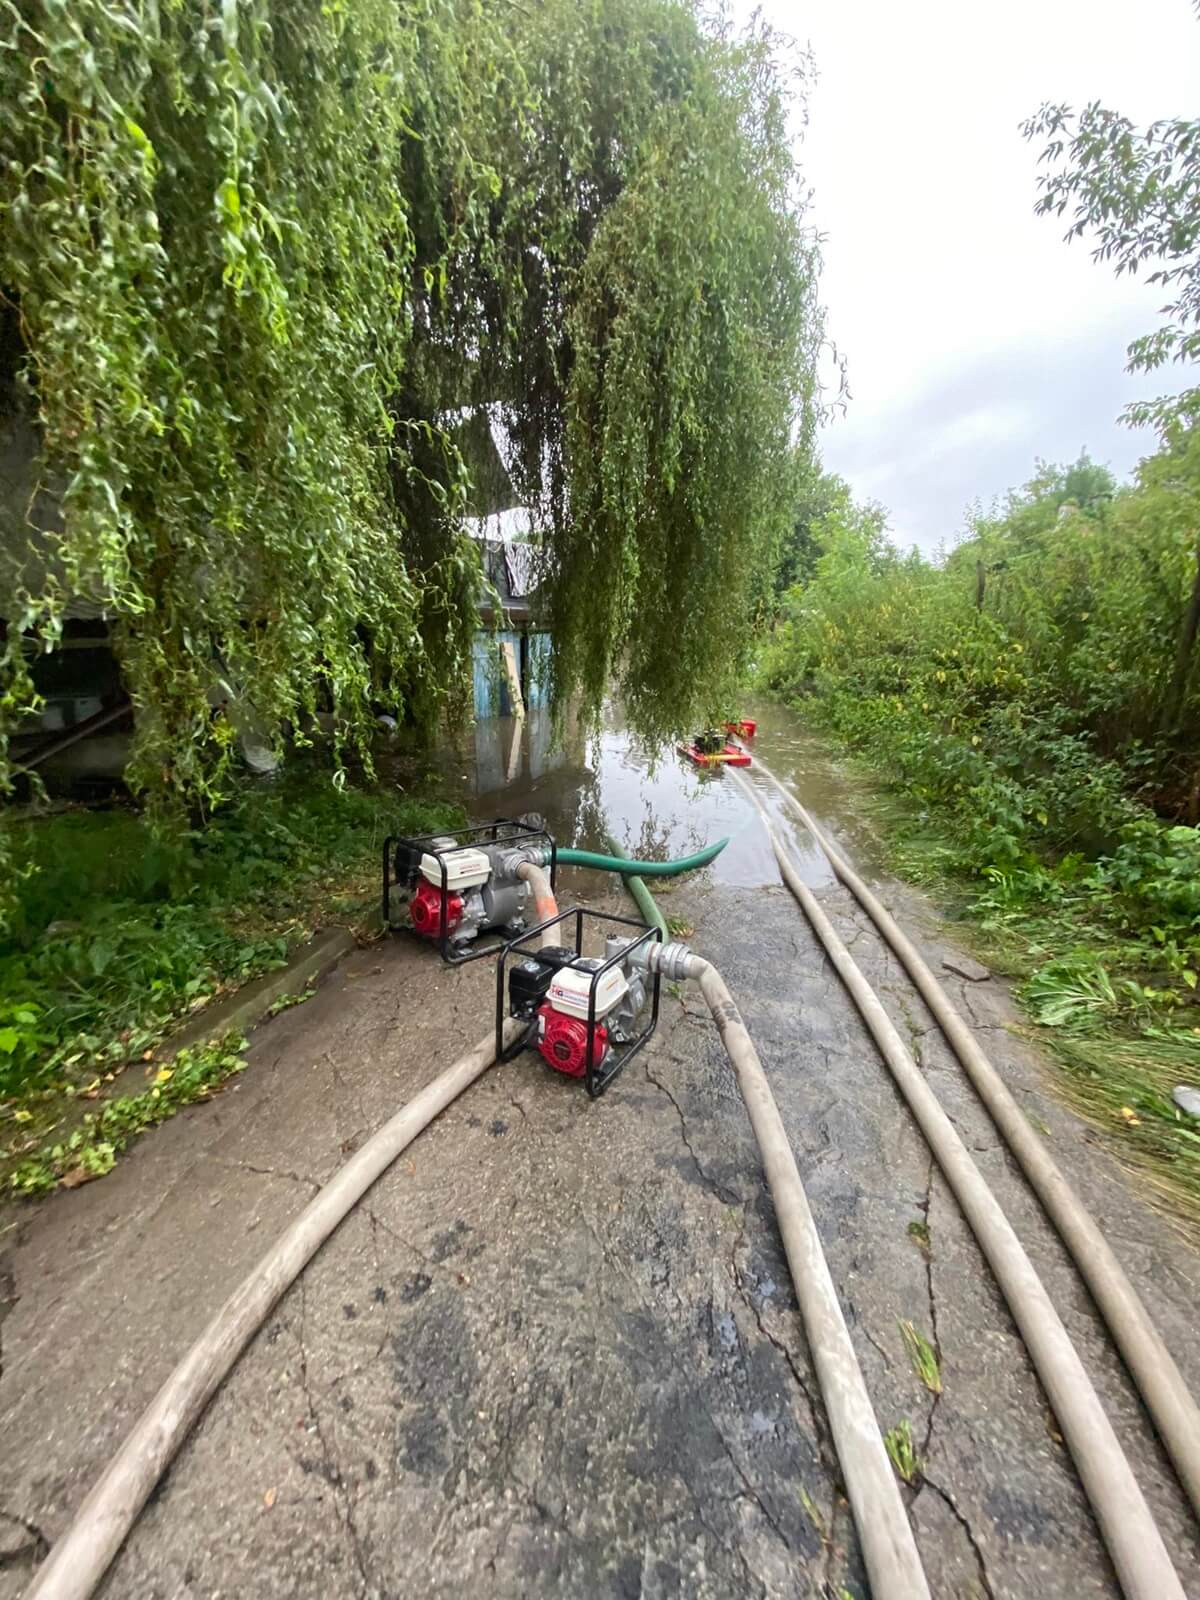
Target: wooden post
(508, 660)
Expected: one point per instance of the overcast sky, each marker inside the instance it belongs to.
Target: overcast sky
(976, 339)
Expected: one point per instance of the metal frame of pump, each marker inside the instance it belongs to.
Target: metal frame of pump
(538, 995)
(494, 839)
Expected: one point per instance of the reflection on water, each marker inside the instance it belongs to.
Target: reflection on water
(656, 804)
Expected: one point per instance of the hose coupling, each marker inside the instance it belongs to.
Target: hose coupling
(509, 861)
(673, 961)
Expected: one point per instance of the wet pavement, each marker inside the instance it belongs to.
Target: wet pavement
(555, 1352)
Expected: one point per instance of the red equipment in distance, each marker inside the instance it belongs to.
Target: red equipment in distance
(711, 748)
(727, 755)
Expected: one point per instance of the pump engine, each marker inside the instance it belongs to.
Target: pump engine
(452, 888)
(586, 1015)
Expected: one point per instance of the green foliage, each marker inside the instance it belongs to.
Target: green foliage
(118, 937)
(922, 1356)
(1138, 192)
(1075, 992)
(262, 254)
(208, 251)
(678, 500)
(902, 1452)
(1024, 685)
(90, 1150)
(825, 514)
(1033, 702)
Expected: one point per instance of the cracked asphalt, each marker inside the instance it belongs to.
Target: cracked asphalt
(555, 1352)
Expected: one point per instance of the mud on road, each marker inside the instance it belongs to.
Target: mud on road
(555, 1352)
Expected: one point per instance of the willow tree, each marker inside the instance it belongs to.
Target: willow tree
(642, 306)
(259, 251)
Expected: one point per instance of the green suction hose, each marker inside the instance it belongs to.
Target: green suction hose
(646, 869)
(641, 896)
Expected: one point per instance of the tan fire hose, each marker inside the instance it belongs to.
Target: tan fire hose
(1169, 1401)
(1128, 1528)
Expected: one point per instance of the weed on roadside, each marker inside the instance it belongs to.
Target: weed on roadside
(918, 1232)
(92, 1148)
(812, 1512)
(287, 1001)
(898, 1442)
(922, 1356)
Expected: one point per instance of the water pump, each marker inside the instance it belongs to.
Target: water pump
(452, 888)
(586, 1016)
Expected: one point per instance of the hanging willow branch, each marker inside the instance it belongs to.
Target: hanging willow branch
(261, 251)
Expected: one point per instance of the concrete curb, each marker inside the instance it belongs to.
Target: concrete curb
(237, 1013)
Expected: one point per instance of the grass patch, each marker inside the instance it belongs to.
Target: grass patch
(922, 1356)
(91, 1149)
(902, 1452)
(1122, 1086)
(120, 935)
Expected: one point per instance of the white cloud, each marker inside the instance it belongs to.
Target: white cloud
(938, 276)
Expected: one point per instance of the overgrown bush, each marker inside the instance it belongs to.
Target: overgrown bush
(1035, 690)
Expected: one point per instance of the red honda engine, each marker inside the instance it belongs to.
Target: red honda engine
(562, 1041)
(565, 1001)
(425, 909)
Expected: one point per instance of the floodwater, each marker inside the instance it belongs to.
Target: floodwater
(654, 803)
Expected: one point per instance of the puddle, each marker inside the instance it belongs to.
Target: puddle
(656, 809)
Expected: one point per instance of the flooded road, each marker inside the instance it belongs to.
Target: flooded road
(654, 803)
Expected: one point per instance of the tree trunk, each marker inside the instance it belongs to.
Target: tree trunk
(1191, 812)
(1177, 693)
(980, 584)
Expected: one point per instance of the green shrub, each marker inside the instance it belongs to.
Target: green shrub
(1024, 692)
(118, 935)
